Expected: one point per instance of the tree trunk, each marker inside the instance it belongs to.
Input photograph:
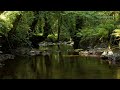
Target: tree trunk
(15, 23)
(8, 44)
(59, 25)
(79, 24)
(34, 23)
(36, 39)
(47, 28)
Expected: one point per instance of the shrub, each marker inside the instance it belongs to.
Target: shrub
(51, 38)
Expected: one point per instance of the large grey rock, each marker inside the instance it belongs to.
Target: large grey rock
(6, 57)
(110, 55)
(34, 52)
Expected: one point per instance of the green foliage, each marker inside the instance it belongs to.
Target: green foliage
(52, 38)
(116, 32)
(22, 36)
(93, 35)
(96, 25)
(6, 20)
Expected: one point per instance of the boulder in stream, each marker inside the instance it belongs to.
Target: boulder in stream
(108, 54)
(34, 52)
(6, 57)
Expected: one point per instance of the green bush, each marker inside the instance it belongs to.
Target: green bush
(51, 38)
(6, 21)
(64, 38)
(21, 36)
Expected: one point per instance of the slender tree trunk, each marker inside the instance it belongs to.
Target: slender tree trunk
(79, 24)
(34, 23)
(47, 28)
(15, 23)
(12, 32)
(59, 25)
(36, 39)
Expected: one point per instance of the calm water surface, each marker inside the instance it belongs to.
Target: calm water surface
(59, 64)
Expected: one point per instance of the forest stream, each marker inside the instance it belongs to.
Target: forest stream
(58, 63)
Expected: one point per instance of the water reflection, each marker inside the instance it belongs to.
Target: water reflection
(48, 65)
(58, 65)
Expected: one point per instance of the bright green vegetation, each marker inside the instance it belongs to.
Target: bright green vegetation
(84, 28)
(25, 33)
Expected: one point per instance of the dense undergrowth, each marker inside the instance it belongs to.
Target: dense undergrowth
(85, 28)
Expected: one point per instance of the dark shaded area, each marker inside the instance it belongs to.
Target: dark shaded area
(75, 38)
(5, 46)
(35, 40)
(76, 42)
(47, 28)
(1, 12)
(114, 40)
(48, 65)
(34, 23)
(59, 29)
(79, 22)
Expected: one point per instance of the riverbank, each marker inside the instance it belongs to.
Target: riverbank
(90, 52)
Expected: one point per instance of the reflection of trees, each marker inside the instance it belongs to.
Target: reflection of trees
(36, 66)
(33, 63)
(118, 73)
(61, 61)
(48, 65)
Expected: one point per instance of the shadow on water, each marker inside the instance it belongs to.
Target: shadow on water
(58, 64)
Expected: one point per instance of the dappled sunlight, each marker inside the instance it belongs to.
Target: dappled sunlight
(60, 44)
(3, 17)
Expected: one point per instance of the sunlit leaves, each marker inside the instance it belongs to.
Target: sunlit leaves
(23, 28)
(6, 20)
(116, 32)
(95, 24)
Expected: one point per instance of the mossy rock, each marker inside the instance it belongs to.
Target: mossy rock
(78, 50)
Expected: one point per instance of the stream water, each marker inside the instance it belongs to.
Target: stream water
(59, 63)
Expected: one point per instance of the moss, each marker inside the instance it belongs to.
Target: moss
(51, 38)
